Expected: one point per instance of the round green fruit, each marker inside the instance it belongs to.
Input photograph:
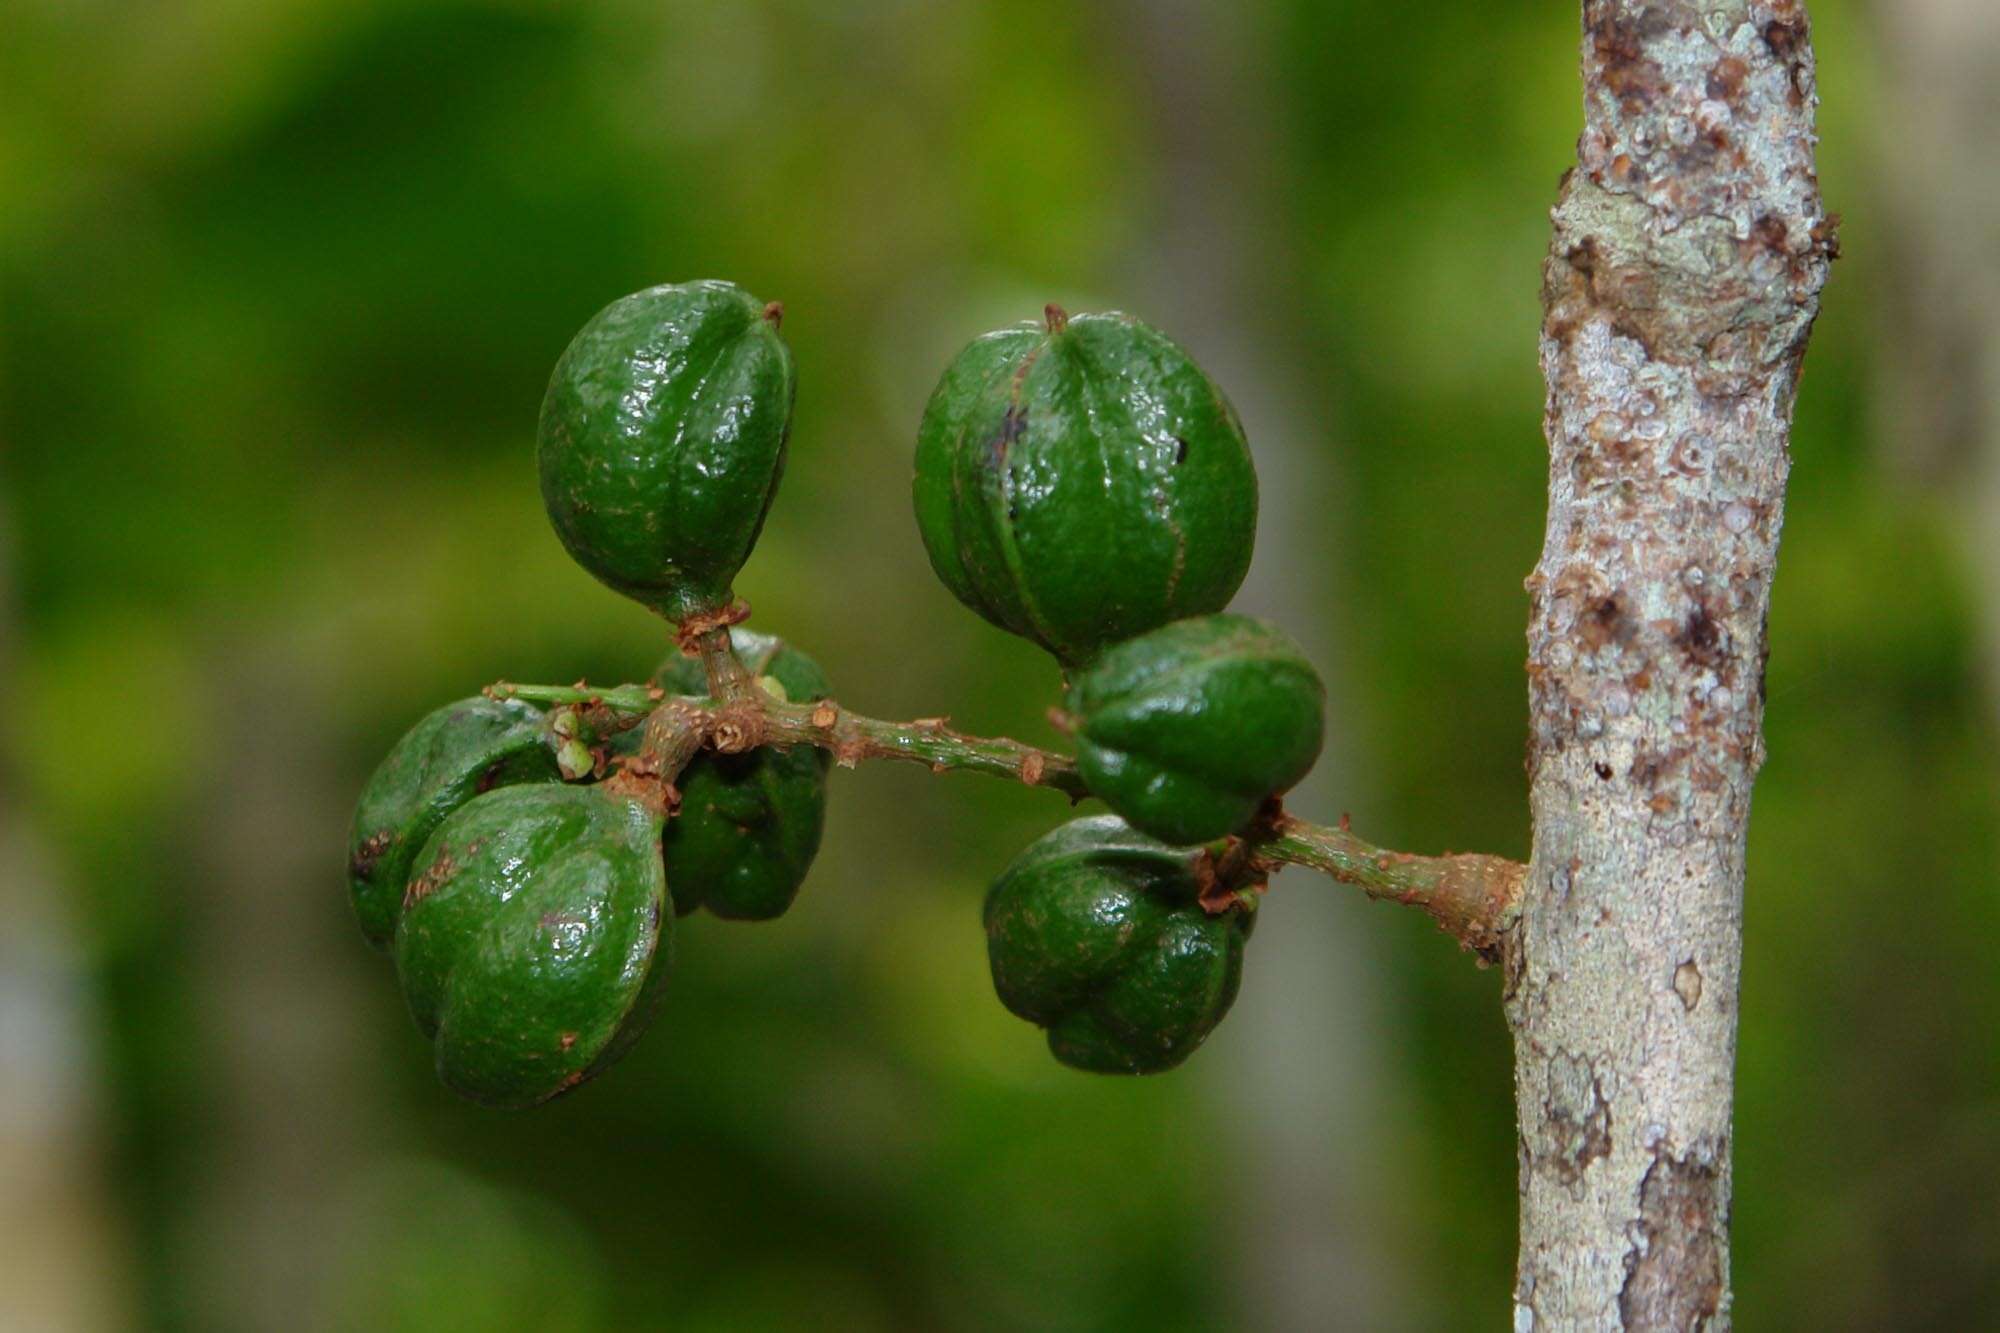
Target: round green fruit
(453, 755)
(1082, 481)
(749, 824)
(1188, 730)
(662, 440)
(534, 940)
(1096, 933)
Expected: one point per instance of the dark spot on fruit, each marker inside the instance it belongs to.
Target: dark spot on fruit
(1603, 771)
(1180, 450)
(1013, 425)
(490, 776)
(362, 864)
(433, 879)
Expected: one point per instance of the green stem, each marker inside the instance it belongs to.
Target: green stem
(635, 699)
(927, 741)
(728, 679)
(1473, 898)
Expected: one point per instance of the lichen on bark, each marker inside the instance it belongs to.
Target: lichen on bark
(1681, 284)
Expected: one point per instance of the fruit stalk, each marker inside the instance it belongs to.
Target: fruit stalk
(728, 679)
(1474, 898)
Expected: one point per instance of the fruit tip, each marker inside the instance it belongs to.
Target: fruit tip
(1055, 317)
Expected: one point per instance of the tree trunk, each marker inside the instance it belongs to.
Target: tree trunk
(1679, 293)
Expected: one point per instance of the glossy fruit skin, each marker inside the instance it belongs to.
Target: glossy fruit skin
(1083, 485)
(662, 441)
(749, 824)
(534, 939)
(1095, 933)
(1186, 731)
(452, 755)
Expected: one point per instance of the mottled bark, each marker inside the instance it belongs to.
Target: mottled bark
(1679, 292)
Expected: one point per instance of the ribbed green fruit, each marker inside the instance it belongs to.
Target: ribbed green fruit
(749, 824)
(1186, 731)
(534, 939)
(454, 754)
(1083, 481)
(662, 441)
(1095, 933)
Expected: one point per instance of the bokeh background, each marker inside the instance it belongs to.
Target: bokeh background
(280, 286)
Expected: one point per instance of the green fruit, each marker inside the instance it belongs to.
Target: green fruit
(1084, 482)
(662, 441)
(453, 755)
(1188, 730)
(749, 824)
(1095, 933)
(534, 940)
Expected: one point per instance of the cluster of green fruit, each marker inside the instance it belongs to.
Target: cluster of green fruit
(1080, 482)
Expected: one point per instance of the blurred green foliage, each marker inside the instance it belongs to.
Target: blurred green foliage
(280, 286)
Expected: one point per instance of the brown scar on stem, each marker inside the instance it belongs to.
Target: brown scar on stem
(1673, 1271)
(643, 788)
(1687, 984)
(691, 630)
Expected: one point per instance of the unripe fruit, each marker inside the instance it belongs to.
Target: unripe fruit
(749, 824)
(1186, 731)
(451, 756)
(1095, 933)
(1083, 481)
(534, 939)
(662, 440)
